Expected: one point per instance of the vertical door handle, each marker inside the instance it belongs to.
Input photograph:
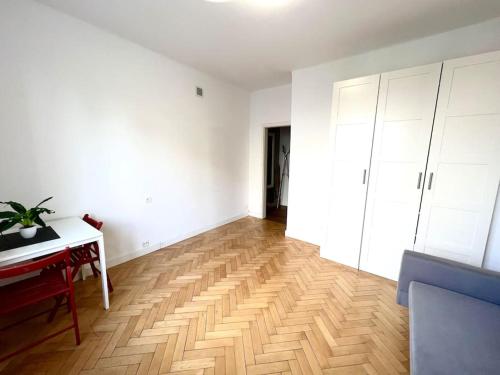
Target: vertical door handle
(419, 180)
(364, 176)
(429, 187)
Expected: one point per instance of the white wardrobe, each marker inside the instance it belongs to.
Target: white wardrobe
(415, 164)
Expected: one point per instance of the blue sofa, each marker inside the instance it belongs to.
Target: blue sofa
(454, 314)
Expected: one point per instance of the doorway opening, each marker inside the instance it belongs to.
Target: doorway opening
(277, 172)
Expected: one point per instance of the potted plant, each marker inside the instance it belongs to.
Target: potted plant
(27, 218)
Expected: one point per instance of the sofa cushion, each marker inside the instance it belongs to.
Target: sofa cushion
(461, 278)
(451, 333)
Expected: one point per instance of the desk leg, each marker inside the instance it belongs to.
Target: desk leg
(104, 273)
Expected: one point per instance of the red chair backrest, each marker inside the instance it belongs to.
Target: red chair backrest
(34, 265)
(96, 224)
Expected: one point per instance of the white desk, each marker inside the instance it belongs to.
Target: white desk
(73, 232)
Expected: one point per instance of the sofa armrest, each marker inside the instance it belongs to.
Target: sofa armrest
(461, 278)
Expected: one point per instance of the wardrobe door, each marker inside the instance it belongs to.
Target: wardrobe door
(353, 119)
(464, 161)
(405, 113)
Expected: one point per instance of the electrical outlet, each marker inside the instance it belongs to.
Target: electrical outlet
(145, 244)
(149, 200)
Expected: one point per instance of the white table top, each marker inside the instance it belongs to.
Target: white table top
(72, 231)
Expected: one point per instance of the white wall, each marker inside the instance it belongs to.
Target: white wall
(268, 108)
(311, 105)
(101, 123)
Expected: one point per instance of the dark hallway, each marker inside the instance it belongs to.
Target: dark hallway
(277, 173)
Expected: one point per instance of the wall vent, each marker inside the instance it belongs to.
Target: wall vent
(199, 91)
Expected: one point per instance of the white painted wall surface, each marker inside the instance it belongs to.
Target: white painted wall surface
(311, 107)
(268, 108)
(101, 123)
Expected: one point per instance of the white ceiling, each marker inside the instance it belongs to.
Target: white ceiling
(256, 46)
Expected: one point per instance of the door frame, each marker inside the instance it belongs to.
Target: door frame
(263, 183)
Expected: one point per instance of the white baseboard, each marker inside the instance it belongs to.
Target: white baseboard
(114, 261)
(258, 215)
(122, 258)
(290, 234)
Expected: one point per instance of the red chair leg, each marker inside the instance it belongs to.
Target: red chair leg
(53, 312)
(75, 270)
(71, 299)
(33, 344)
(29, 291)
(110, 286)
(95, 271)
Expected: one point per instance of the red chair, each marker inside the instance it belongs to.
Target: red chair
(50, 283)
(88, 253)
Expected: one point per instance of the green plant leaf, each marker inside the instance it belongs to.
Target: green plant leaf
(41, 210)
(45, 200)
(18, 207)
(6, 224)
(39, 221)
(7, 214)
(27, 221)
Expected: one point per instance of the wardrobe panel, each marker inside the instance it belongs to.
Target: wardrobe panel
(402, 140)
(478, 78)
(446, 237)
(353, 117)
(458, 145)
(463, 172)
(468, 182)
(402, 101)
(355, 103)
(405, 113)
(390, 189)
(352, 141)
(392, 229)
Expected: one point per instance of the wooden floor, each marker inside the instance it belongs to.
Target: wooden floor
(277, 214)
(241, 299)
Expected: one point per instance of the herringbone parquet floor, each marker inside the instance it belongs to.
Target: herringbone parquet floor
(240, 299)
